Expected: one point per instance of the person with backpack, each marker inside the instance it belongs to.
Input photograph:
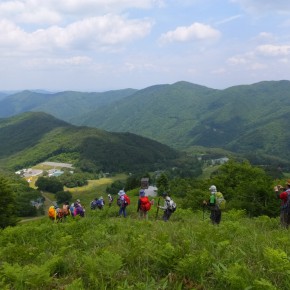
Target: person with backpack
(284, 194)
(55, 213)
(100, 203)
(213, 205)
(123, 201)
(78, 209)
(94, 203)
(169, 207)
(66, 209)
(144, 205)
(111, 199)
(52, 213)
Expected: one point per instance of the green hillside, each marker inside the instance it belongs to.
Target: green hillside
(102, 251)
(63, 105)
(165, 112)
(30, 138)
(243, 119)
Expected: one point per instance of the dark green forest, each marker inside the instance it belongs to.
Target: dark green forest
(31, 138)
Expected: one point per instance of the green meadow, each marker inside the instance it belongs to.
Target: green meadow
(104, 251)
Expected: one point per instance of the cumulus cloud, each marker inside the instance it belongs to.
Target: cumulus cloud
(91, 33)
(55, 11)
(273, 50)
(196, 31)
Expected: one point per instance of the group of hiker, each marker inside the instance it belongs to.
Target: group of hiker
(215, 204)
(58, 214)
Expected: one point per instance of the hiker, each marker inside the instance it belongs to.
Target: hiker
(215, 211)
(98, 203)
(123, 201)
(78, 210)
(111, 199)
(52, 213)
(169, 207)
(55, 213)
(94, 203)
(283, 194)
(66, 209)
(144, 205)
(72, 209)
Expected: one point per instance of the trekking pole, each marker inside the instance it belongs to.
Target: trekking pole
(158, 203)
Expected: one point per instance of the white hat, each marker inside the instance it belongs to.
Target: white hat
(121, 192)
(213, 188)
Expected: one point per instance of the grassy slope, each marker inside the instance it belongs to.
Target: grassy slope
(102, 251)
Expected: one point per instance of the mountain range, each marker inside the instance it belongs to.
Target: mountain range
(246, 119)
(32, 137)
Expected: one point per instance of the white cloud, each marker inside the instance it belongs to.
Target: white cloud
(196, 31)
(273, 50)
(55, 11)
(92, 33)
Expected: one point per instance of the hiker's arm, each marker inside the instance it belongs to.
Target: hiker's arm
(277, 190)
(164, 206)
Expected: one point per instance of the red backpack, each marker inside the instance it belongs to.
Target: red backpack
(145, 204)
(127, 199)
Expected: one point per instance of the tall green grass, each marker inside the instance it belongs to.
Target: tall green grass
(104, 251)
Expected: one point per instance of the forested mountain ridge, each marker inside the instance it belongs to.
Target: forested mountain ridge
(63, 105)
(246, 119)
(30, 138)
(250, 120)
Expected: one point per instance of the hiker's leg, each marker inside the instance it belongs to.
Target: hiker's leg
(169, 213)
(218, 216)
(283, 218)
(164, 216)
(212, 216)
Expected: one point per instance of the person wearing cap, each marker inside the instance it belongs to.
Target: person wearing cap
(166, 207)
(121, 202)
(144, 204)
(283, 193)
(215, 212)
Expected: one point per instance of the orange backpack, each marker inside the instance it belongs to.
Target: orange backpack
(51, 212)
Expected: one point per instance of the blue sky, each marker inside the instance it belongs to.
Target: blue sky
(100, 45)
